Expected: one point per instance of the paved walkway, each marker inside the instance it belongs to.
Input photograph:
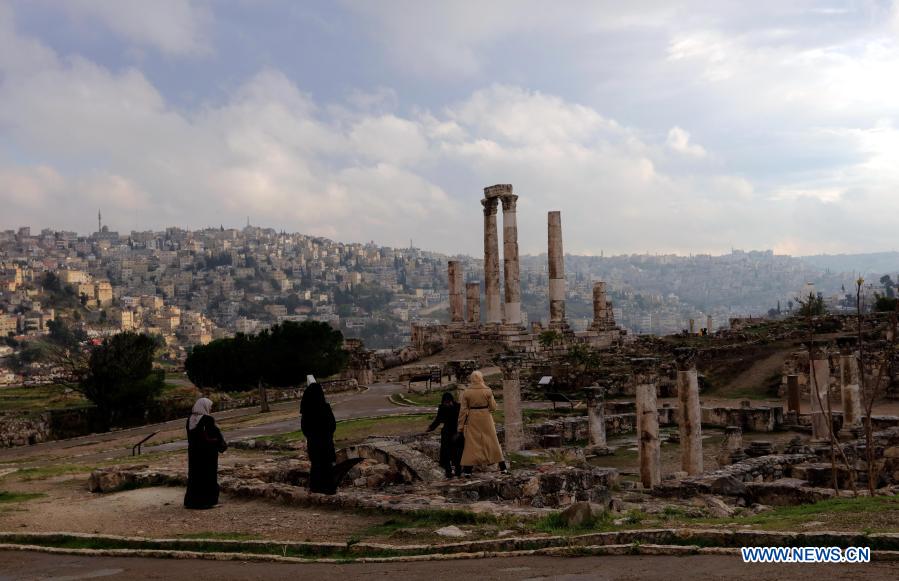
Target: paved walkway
(25, 565)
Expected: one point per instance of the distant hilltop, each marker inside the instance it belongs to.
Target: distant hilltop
(881, 262)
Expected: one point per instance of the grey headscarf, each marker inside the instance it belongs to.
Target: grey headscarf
(203, 407)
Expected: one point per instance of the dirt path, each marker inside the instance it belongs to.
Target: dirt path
(24, 565)
(159, 512)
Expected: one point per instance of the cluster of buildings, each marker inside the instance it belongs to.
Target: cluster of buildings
(191, 287)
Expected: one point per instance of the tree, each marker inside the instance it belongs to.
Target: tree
(888, 286)
(811, 306)
(583, 356)
(549, 338)
(885, 304)
(51, 283)
(64, 336)
(281, 356)
(120, 379)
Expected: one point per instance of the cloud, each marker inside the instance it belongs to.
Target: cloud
(797, 134)
(679, 141)
(174, 27)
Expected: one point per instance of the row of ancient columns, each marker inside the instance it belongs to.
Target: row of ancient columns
(464, 299)
(647, 415)
(510, 311)
(464, 307)
(819, 391)
(689, 417)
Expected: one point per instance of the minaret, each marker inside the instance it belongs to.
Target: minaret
(99, 221)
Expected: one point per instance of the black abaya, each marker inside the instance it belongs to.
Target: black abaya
(204, 443)
(451, 442)
(318, 425)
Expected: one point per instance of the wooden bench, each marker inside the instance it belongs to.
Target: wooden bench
(431, 377)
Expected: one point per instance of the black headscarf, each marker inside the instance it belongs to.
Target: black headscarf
(313, 399)
(316, 417)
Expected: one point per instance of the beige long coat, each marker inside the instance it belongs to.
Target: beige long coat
(475, 421)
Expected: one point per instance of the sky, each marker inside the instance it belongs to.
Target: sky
(654, 126)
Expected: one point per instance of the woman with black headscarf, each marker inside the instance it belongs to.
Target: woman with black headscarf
(318, 425)
(204, 444)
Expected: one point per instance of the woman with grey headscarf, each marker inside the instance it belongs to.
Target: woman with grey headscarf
(204, 444)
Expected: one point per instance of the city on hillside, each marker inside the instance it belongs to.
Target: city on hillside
(191, 287)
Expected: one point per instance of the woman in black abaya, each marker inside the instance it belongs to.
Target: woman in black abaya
(204, 444)
(318, 425)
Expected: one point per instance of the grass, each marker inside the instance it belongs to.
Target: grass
(424, 399)
(222, 536)
(873, 514)
(522, 460)
(555, 524)
(349, 431)
(432, 519)
(45, 472)
(38, 398)
(11, 497)
(550, 413)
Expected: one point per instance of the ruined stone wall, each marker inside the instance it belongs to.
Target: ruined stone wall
(429, 339)
(751, 419)
(24, 430)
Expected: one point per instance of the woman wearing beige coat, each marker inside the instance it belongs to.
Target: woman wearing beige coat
(476, 424)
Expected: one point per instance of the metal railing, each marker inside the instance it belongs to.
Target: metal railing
(135, 450)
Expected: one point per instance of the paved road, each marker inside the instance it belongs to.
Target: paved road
(25, 565)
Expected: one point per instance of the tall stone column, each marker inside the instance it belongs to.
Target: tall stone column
(708, 324)
(600, 307)
(596, 416)
(556, 270)
(690, 413)
(850, 394)
(793, 393)
(491, 261)
(473, 302)
(820, 376)
(648, 425)
(454, 273)
(511, 267)
(512, 424)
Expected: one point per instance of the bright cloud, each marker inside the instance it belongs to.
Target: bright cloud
(651, 130)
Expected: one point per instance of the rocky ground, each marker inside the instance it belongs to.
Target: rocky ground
(45, 487)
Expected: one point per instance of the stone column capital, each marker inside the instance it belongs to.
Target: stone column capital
(685, 357)
(510, 366)
(645, 370)
(497, 190)
(490, 205)
(510, 202)
(594, 393)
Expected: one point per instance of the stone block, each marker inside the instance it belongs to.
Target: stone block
(581, 513)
